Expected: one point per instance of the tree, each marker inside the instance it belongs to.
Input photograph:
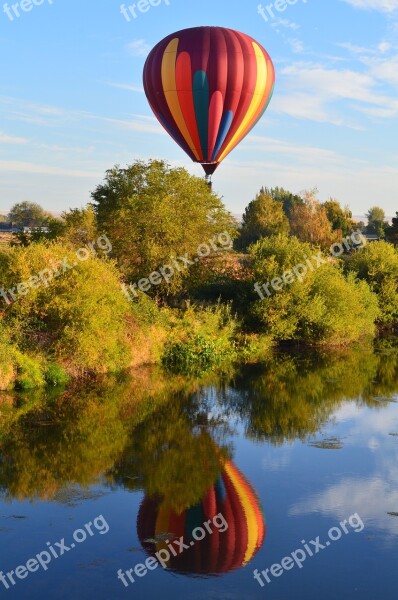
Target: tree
(153, 213)
(392, 231)
(263, 217)
(377, 223)
(80, 226)
(339, 217)
(288, 200)
(377, 264)
(27, 214)
(359, 225)
(310, 223)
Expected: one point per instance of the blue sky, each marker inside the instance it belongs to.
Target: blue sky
(72, 104)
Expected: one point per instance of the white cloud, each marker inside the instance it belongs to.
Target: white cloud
(127, 86)
(296, 45)
(386, 6)
(139, 48)
(27, 167)
(9, 139)
(371, 498)
(312, 91)
(384, 69)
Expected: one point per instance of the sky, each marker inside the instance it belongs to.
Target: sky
(72, 103)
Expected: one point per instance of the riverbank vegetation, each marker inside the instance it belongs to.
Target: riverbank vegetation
(173, 281)
(50, 437)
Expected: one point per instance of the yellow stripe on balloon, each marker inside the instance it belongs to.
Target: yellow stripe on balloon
(251, 518)
(258, 98)
(170, 91)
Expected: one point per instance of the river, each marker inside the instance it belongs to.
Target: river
(273, 481)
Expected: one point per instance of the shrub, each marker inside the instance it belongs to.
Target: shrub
(7, 364)
(78, 318)
(377, 264)
(196, 355)
(56, 375)
(30, 373)
(324, 307)
(201, 339)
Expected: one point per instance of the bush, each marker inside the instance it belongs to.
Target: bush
(324, 307)
(56, 375)
(377, 264)
(30, 373)
(7, 364)
(195, 355)
(78, 318)
(201, 339)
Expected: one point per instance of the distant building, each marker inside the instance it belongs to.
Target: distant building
(372, 237)
(8, 228)
(32, 229)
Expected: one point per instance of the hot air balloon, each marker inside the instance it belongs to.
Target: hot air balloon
(208, 87)
(226, 548)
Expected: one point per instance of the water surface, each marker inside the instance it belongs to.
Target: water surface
(271, 457)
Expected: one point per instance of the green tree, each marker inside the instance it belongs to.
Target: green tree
(377, 264)
(152, 213)
(377, 223)
(80, 226)
(27, 214)
(288, 200)
(359, 225)
(392, 231)
(339, 217)
(263, 217)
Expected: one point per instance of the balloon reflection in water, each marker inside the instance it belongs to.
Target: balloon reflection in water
(222, 550)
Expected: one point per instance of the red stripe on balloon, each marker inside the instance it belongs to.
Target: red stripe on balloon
(155, 93)
(228, 538)
(248, 85)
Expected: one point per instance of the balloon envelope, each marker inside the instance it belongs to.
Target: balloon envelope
(208, 87)
(237, 525)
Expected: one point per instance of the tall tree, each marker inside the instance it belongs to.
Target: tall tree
(392, 231)
(80, 226)
(339, 217)
(263, 217)
(288, 200)
(152, 213)
(309, 222)
(377, 223)
(27, 214)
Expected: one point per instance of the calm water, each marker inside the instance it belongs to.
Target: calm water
(271, 458)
